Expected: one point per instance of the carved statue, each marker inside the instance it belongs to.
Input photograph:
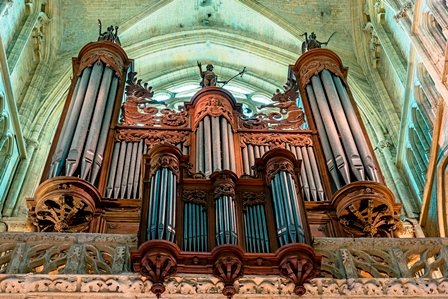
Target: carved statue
(311, 42)
(209, 78)
(110, 35)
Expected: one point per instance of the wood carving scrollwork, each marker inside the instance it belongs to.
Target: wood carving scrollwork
(275, 165)
(215, 106)
(252, 198)
(314, 67)
(165, 160)
(195, 196)
(367, 209)
(275, 139)
(153, 137)
(289, 117)
(102, 55)
(63, 204)
(224, 183)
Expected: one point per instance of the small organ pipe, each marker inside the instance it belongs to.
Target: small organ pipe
(246, 167)
(136, 181)
(95, 125)
(79, 138)
(216, 144)
(250, 151)
(330, 129)
(113, 169)
(120, 167)
(225, 144)
(99, 153)
(208, 147)
(303, 175)
(127, 164)
(130, 181)
(162, 203)
(231, 150)
(257, 151)
(340, 120)
(356, 130)
(200, 147)
(309, 174)
(316, 176)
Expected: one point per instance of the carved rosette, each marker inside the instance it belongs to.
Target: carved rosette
(165, 156)
(299, 263)
(228, 267)
(223, 183)
(275, 139)
(108, 53)
(156, 260)
(367, 209)
(64, 204)
(314, 61)
(214, 105)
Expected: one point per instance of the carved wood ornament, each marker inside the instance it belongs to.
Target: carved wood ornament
(275, 139)
(64, 204)
(367, 209)
(112, 55)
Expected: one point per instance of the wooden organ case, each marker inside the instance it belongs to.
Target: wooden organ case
(207, 188)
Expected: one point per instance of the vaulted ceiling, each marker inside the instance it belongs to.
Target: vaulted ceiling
(167, 38)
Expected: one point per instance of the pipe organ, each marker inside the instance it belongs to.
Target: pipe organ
(207, 188)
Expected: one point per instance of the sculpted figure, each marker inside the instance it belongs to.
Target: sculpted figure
(311, 42)
(111, 34)
(208, 77)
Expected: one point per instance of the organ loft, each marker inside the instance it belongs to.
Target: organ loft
(209, 186)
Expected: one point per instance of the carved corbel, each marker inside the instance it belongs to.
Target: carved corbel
(156, 260)
(223, 183)
(228, 267)
(374, 44)
(367, 209)
(299, 263)
(64, 204)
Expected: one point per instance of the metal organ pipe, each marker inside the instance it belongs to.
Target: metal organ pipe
(214, 145)
(356, 130)
(340, 120)
(330, 128)
(70, 122)
(95, 124)
(323, 137)
(99, 153)
(79, 138)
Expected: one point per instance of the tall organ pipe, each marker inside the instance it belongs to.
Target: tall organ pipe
(95, 125)
(79, 138)
(99, 153)
(330, 128)
(70, 122)
(341, 123)
(357, 132)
